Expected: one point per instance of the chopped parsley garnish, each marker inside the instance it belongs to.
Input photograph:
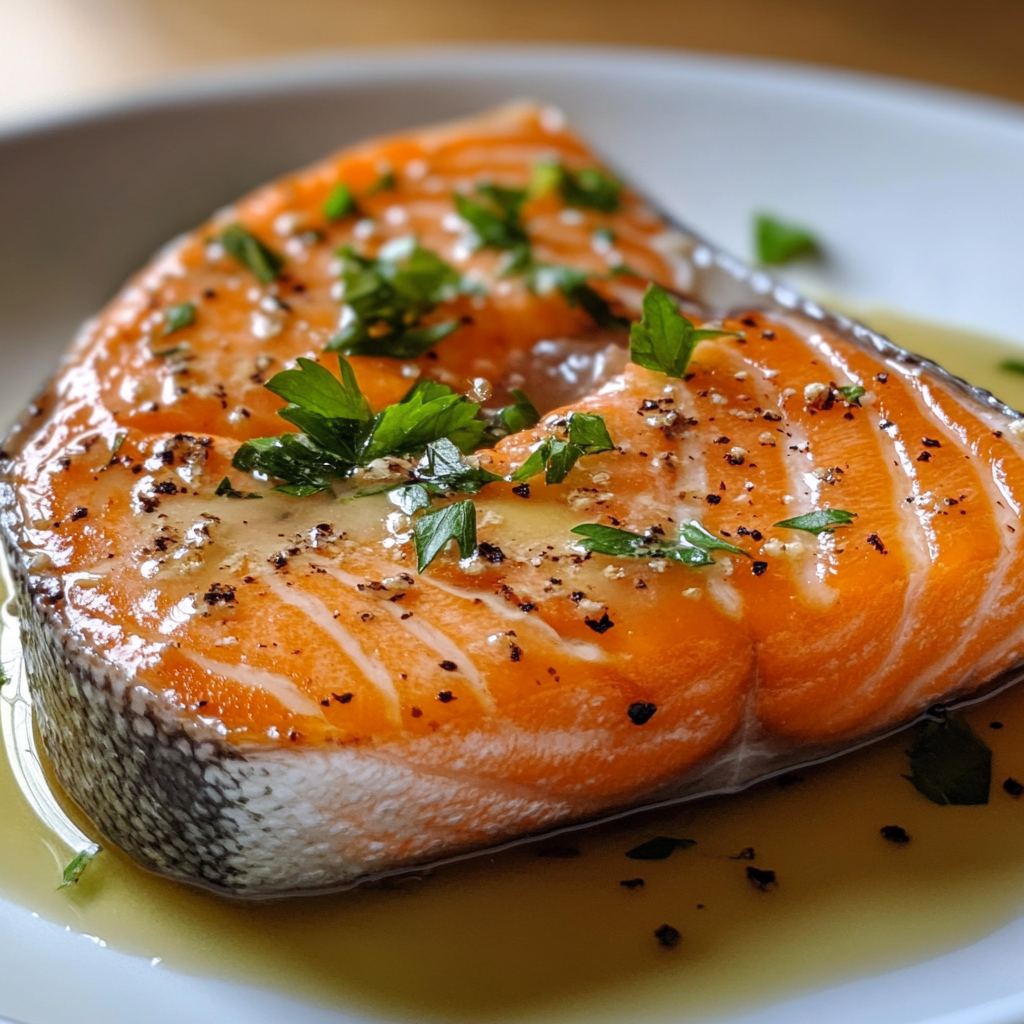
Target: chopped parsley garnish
(260, 260)
(494, 214)
(119, 439)
(435, 529)
(387, 182)
(510, 419)
(554, 457)
(853, 394)
(777, 242)
(78, 864)
(178, 317)
(659, 848)
(444, 470)
(692, 546)
(589, 188)
(225, 490)
(664, 339)
(572, 283)
(4, 677)
(340, 203)
(1012, 366)
(949, 764)
(339, 434)
(822, 520)
(388, 297)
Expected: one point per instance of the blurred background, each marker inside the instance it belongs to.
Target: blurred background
(54, 51)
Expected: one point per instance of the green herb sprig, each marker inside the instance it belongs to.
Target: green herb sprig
(588, 188)
(555, 457)
(495, 215)
(822, 520)
(664, 339)
(388, 298)
(692, 546)
(777, 242)
(949, 764)
(260, 260)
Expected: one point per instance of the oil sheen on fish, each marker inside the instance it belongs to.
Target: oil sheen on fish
(259, 691)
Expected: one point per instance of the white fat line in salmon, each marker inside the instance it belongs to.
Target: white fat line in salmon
(427, 633)
(283, 689)
(372, 670)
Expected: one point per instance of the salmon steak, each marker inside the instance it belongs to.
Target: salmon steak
(443, 495)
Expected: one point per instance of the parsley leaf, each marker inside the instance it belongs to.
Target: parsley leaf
(659, 848)
(555, 457)
(1012, 366)
(387, 182)
(664, 339)
(572, 283)
(444, 469)
(511, 419)
(853, 394)
(178, 317)
(410, 498)
(949, 764)
(435, 529)
(340, 203)
(822, 520)
(691, 547)
(388, 298)
(225, 490)
(495, 217)
(423, 416)
(262, 261)
(339, 434)
(78, 864)
(777, 242)
(590, 187)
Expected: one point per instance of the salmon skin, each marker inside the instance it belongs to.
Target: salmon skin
(742, 535)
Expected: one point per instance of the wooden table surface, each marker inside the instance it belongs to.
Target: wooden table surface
(55, 50)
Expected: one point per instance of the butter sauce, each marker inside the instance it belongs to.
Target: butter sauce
(537, 933)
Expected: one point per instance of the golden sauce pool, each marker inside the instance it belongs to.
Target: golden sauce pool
(549, 933)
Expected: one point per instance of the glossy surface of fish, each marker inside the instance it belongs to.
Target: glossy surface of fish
(263, 694)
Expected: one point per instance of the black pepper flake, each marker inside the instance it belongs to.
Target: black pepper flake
(640, 712)
(576, 596)
(885, 425)
(876, 542)
(882, 378)
(759, 568)
(924, 457)
(515, 652)
(747, 853)
(995, 725)
(755, 535)
(713, 499)
(768, 335)
(446, 697)
(448, 666)
(342, 698)
(490, 552)
(219, 593)
(760, 878)
(930, 442)
(894, 834)
(632, 883)
(667, 936)
(326, 703)
(523, 490)
(601, 625)
(416, 712)
(1013, 787)
(722, 440)
(79, 513)
(166, 487)
(527, 606)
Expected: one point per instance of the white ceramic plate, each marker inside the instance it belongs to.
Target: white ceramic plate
(917, 191)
